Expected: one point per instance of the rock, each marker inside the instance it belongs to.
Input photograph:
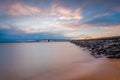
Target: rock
(109, 47)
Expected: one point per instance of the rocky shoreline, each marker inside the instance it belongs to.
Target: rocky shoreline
(108, 47)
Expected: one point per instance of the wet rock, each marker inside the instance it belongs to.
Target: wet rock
(109, 47)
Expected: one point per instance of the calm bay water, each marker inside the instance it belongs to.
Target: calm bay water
(54, 61)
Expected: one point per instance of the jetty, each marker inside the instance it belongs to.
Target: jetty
(108, 47)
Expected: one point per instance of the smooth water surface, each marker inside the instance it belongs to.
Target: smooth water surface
(54, 61)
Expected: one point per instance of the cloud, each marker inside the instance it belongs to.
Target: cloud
(10, 34)
(107, 31)
(20, 9)
(65, 13)
(106, 34)
(63, 10)
(69, 26)
(58, 11)
(7, 35)
(105, 20)
(74, 14)
(112, 28)
(71, 18)
(77, 14)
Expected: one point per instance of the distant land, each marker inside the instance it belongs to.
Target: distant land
(41, 40)
(57, 40)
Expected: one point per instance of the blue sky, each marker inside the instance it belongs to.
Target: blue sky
(58, 19)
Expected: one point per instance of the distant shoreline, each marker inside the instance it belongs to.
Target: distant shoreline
(33, 41)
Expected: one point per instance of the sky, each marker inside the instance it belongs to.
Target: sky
(58, 19)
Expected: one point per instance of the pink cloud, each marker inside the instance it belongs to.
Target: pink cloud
(75, 26)
(69, 26)
(106, 34)
(77, 14)
(106, 31)
(112, 28)
(74, 14)
(63, 10)
(58, 11)
(19, 9)
(66, 13)
(110, 31)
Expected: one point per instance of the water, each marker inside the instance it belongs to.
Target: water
(54, 61)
